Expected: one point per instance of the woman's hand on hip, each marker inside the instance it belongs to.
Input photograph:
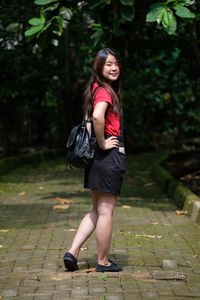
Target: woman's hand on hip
(109, 143)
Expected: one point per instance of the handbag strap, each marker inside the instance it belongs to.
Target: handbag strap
(93, 99)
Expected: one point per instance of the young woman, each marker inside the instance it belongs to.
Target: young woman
(104, 176)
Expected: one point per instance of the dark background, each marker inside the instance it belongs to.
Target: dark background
(42, 84)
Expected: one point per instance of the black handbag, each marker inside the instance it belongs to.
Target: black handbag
(80, 150)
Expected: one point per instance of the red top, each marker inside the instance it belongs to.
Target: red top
(112, 120)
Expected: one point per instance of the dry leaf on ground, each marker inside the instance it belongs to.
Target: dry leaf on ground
(22, 193)
(71, 229)
(41, 187)
(4, 230)
(51, 226)
(149, 236)
(60, 206)
(63, 201)
(125, 206)
(87, 270)
(180, 212)
(154, 223)
(82, 249)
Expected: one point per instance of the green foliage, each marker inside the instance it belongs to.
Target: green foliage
(183, 12)
(60, 13)
(41, 85)
(103, 277)
(164, 13)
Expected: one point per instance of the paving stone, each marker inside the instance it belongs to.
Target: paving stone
(169, 264)
(31, 259)
(150, 295)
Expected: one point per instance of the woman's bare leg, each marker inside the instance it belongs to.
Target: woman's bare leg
(86, 227)
(106, 205)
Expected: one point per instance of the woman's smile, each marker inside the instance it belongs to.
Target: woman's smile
(111, 69)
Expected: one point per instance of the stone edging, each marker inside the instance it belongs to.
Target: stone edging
(10, 163)
(179, 194)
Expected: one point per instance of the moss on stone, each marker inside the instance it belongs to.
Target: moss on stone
(181, 193)
(161, 176)
(10, 163)
(172, 184)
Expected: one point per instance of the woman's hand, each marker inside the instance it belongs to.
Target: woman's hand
(109, 143)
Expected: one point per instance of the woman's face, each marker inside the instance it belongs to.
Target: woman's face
(111, 69)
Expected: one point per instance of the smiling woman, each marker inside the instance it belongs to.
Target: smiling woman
(111, 69)
(105, 173)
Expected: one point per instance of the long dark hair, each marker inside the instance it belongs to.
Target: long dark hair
(97, 69)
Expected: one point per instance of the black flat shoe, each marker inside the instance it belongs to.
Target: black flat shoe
(70, 262)
(112, 268)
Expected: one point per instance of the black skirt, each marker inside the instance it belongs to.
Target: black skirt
(105, 172)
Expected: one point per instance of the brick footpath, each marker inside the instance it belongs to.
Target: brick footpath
(34, 238)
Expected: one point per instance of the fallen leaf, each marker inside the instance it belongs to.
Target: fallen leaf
(180, 212)
(154, 223)
(60, 206)
(125, 206)
(82, 249)
(63, 201)
(41, 187)
(1, 297)
(22, 193)
(149, 236)
(195, 256)
(1, 246)
(51, 226)
(4, 230)
(71, 229)
(87, 270)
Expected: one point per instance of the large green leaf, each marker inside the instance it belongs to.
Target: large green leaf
(41, 2)
(127, 13)
(127, 2)
(36, 21)
(33, 30)
(155, 15)
(167, 18)
(183, 12)
(172, 29)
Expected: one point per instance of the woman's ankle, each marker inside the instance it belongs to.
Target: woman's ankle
(104, 262)
(74, 253)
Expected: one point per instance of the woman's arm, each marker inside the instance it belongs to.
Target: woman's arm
(99, 123)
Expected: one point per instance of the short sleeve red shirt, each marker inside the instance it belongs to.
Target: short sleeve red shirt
(112, 120)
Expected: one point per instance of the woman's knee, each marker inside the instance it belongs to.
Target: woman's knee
(105, 209)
